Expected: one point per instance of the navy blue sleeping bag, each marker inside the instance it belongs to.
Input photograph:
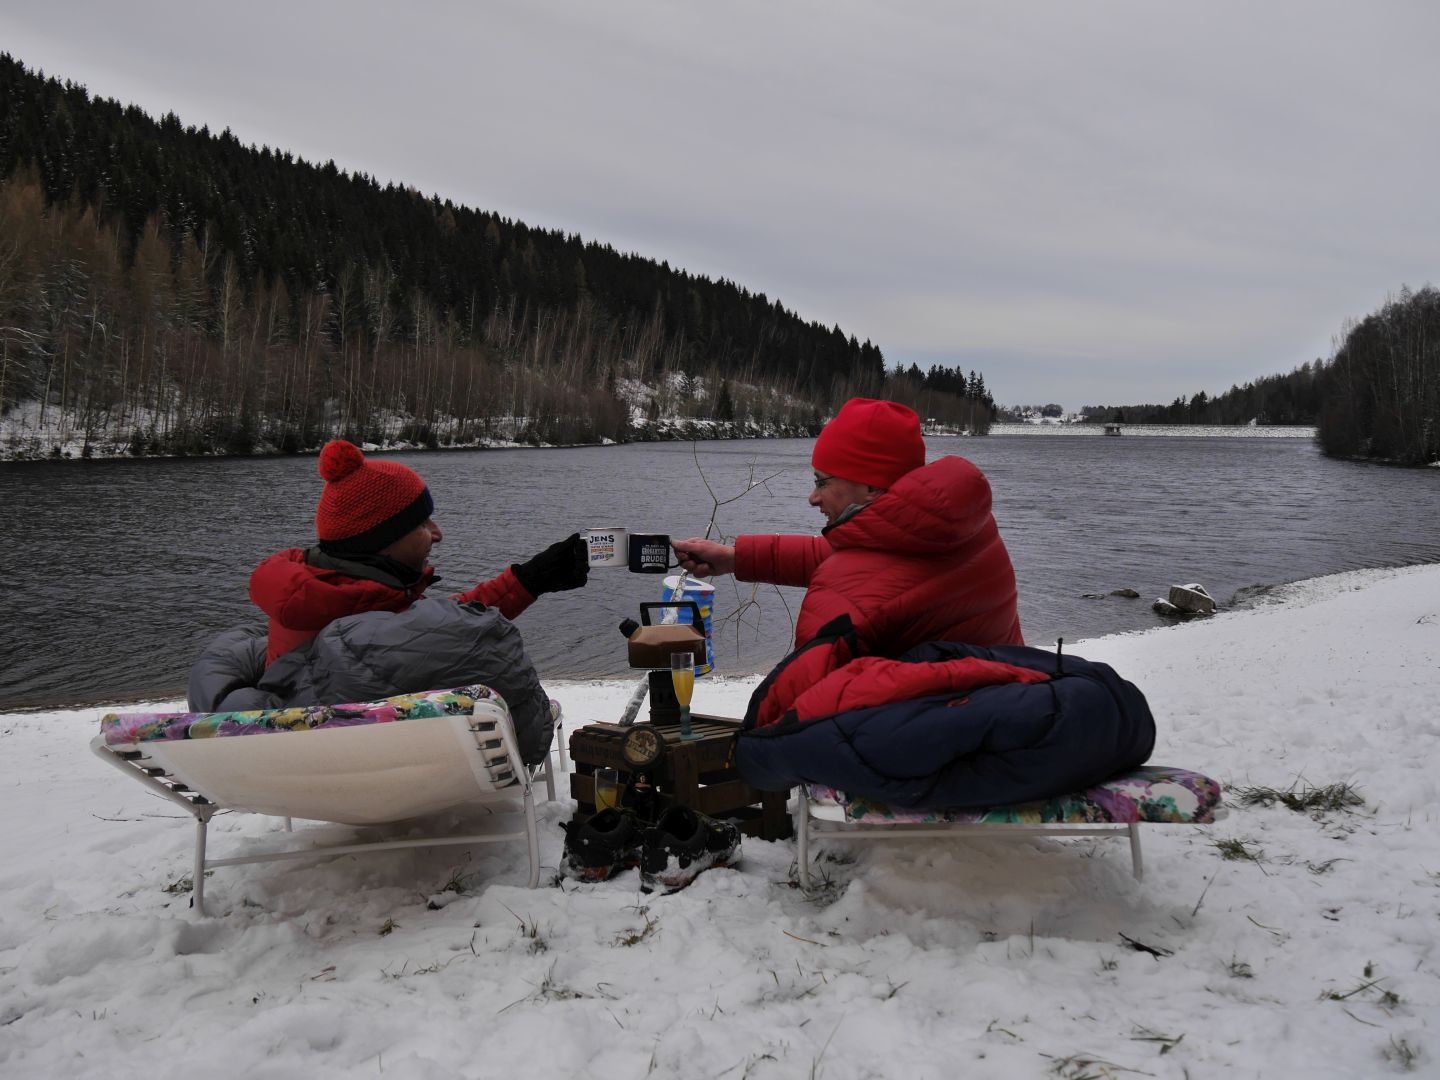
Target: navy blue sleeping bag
(985, 746)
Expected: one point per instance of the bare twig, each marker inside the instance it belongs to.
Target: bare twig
(1156, 951)
(1196, 909)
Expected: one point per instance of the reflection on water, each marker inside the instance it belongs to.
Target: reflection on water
(118, 572)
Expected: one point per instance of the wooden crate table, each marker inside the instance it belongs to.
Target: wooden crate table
(697, 773)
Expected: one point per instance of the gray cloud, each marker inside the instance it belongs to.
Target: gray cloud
(1114, 201)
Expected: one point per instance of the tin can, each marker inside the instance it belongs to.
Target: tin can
(702, 594)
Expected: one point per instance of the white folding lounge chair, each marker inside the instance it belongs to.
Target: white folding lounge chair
(363, 764)
(1154, 794)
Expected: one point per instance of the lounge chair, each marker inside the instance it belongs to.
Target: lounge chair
(1116, 808)
(362, 764)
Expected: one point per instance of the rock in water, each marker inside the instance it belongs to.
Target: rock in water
(1192, 599)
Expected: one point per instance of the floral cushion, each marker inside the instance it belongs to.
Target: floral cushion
(123, 728)
(1156, 793)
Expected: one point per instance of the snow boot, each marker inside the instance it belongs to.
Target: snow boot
(681, 845)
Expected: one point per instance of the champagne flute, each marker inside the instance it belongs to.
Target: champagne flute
(682, 676)
(607, 789)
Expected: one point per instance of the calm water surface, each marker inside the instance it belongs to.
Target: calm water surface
(116, 573)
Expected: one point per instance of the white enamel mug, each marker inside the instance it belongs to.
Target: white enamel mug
(607, 547)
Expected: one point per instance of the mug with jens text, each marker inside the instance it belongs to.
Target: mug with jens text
(607, 547)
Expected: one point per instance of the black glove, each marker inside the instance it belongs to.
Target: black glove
(561, 566)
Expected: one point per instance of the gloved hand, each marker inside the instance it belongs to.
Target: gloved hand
(561, 566)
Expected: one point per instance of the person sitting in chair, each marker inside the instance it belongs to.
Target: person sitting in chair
(910, 552)
(349, 620)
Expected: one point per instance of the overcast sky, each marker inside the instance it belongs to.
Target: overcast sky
(1090, 202)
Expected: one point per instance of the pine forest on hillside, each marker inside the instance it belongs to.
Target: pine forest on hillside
(167, 290)
(1383, 387)
(178, 292)
(1377, 399)
(1293, 398)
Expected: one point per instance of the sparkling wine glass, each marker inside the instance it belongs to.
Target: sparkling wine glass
(682, 675)
(607, 789)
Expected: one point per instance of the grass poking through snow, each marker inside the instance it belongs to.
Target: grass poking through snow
(1303, 799)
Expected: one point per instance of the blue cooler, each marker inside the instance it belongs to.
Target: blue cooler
(702, 594)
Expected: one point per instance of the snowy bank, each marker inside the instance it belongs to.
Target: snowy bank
(1276, 943)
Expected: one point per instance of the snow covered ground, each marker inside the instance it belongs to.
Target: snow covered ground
(1275, 943)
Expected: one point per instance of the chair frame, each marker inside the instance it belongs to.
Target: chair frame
(475, 729)
(811, 827)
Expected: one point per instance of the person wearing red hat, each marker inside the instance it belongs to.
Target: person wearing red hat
(910, 552)
(349, 619)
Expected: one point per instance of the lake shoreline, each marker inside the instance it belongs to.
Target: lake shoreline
(54, 445)
(1266, 596)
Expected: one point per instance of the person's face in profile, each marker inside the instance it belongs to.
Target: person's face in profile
(833, 495)
(413, 549)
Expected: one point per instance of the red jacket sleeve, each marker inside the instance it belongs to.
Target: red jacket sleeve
(779, 560)
(504, 592)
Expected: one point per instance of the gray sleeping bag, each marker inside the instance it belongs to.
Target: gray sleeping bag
(433, 645)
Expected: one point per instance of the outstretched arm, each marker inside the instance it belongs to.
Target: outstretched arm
(504, 592)
(563, 565)
(705, 558)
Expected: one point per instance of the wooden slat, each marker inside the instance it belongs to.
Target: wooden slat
(696, 772)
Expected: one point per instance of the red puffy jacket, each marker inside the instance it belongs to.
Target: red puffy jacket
(922, 562)
(301, 600)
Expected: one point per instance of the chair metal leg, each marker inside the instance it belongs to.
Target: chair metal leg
(802, 836)
(197, 875)
(558, 741)
(532, 837)
(1137, 865)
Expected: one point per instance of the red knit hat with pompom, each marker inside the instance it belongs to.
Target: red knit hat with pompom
(367, 505)
(870, 442)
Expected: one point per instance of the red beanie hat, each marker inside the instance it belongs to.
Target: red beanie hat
(367, 505)
(870, 442)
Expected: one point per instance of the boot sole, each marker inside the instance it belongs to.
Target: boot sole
(592, 874)
(675, 882)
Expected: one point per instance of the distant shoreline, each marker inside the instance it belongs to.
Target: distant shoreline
(1236, 431)
(70, 450)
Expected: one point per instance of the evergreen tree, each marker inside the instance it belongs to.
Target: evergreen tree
(724, 405)
(251, 298)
